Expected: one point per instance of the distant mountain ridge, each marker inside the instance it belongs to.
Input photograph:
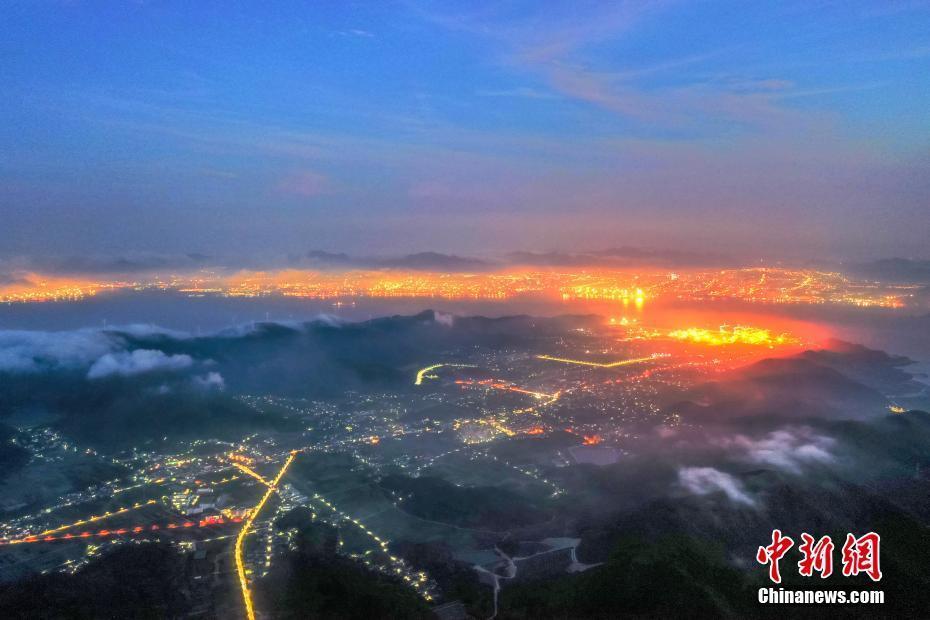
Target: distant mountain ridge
(904, 270)
(421, 261)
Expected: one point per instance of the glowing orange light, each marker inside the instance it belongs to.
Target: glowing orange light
(500, 385)
(728, 335)
(754, 285)
(138, 529)
(240, 458)
(565, 360)
(32, 287)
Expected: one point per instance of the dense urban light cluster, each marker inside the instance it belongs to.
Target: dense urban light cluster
(30, 288)
(737, 334)
(636, 288)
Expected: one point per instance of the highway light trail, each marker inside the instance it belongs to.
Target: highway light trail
(423, 373)
(658, 370)
(565, 360)
(140, 485)
(136, 529)
(253, 473)
(95, 518)
(500, 385)
(492, 384)
(240, 566)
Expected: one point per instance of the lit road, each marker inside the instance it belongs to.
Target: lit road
(253, 473)
(564, 360)
(94, 518)
(240, 566)
(134, 530)
(423, 373)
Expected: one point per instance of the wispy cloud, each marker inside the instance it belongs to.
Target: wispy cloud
(708, 480)
(355, 32)
(557, 49)
(140, 361)
(789, 449)
(30, 351)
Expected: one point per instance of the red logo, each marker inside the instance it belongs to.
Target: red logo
(860, 555)
(817, 556)
(773, 553)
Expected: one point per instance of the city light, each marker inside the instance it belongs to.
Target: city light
(752, 285)
(737, 334)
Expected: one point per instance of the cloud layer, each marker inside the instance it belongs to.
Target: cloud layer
(140, 361)
(788, 449)
(32, 351)
(708, 480)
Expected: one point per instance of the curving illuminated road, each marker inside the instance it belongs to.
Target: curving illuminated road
(564, 360)
(422, 373)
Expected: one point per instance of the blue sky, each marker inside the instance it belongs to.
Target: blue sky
(262, 129)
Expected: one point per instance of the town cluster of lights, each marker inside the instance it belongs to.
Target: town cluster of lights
(29, 288)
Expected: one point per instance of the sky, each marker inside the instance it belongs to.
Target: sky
(251, 129)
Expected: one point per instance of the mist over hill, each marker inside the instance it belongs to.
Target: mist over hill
(803, 442)
(141, 382)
